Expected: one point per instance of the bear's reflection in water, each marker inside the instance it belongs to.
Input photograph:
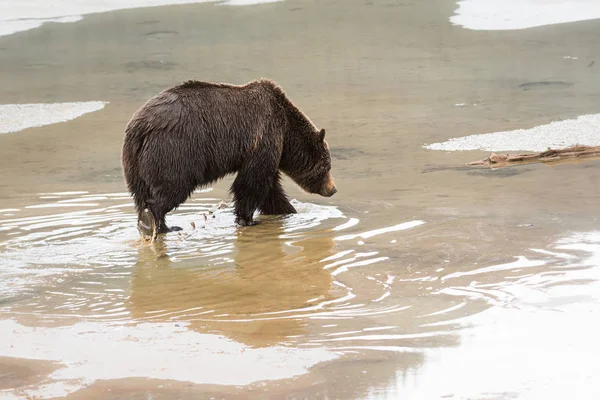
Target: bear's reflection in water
(269, 274)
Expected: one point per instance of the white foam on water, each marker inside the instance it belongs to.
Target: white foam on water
(521, 14)
(584, 130)
(16, 117)
(23, 15)
(370, 234)
(97, 351)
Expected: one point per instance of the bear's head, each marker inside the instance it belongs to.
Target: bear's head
(315, 176)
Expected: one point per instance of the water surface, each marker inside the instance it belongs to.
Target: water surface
(420, 278)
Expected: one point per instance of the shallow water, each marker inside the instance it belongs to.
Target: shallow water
(419, 279)
(82, 289)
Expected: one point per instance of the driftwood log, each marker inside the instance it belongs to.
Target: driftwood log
(549, 156)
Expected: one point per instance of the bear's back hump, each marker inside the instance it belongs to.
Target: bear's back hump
(208, 112)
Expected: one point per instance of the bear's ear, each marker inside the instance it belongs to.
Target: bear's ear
(322, 135)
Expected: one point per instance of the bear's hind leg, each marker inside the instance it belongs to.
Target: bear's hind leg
(277, 202)
(160, 208)
(159, 211)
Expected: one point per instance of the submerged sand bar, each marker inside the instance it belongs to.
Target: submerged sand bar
(97, 351)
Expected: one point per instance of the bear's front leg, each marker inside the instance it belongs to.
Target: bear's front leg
(250, 189)
(277, 202)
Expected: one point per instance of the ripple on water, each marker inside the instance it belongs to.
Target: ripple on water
(302, 282)
(74, 266)
(262, 285)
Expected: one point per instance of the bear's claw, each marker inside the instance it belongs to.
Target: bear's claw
(168, 229)
(245, 222)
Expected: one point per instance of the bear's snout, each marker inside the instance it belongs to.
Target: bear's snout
(330, 192)
(328, 188)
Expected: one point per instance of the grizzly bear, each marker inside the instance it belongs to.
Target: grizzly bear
(195, 133)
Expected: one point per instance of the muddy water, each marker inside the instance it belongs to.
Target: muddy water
(419, 279)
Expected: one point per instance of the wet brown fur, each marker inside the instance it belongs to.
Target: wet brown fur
(195, 133)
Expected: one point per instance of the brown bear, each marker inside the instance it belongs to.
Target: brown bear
(195, 133)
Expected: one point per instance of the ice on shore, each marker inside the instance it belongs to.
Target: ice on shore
(16, 117)
(23, 15)
(521, 14)
(584, 130)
